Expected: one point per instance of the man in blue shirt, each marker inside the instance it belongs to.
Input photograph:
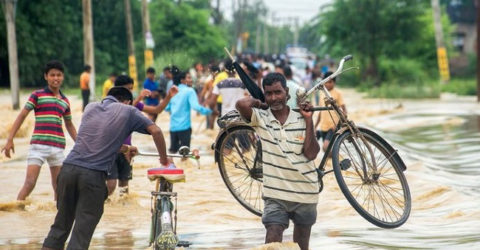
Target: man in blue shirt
(151, 85)
(81, 184)
(179, 108)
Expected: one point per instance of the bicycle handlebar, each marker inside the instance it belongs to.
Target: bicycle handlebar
(169, 155)
(315, 109)
(320, 83)
(184, 152)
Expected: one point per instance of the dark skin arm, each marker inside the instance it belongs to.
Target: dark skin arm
(71, 129)
(161, 106)
(245, 105)
(157, 136)
(310, 145)
(16, 126)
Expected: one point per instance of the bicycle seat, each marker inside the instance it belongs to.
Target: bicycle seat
(169, 174)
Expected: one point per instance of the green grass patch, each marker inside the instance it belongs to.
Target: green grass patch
(461, 86)
(426, 89)
(395, 91)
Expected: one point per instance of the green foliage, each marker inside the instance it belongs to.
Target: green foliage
(182, 27)
(402, 71)
(53, 30)
(45, 30)
(374, 30)
(461, 86)
(182, 59)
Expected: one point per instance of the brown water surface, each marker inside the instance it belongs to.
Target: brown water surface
(438, 139)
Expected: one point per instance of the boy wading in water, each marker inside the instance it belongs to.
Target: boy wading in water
(48, 140)
(328, 122)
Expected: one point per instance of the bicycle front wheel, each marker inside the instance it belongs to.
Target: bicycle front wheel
(372, 181)
(240, 164)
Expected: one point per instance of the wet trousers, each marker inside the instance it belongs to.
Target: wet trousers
(85, 97)
(81, 195)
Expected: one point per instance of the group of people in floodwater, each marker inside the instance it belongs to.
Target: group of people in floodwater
(101, 156)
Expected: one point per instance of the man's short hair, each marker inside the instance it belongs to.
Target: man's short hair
(87, 68)
(228, 64)
(167, 69)
(178, 77)
(287, 71)
(150, 70)
(121, 94)
(54, 64)
(327, 74)
(123, 80)
(272, 78)
(214, 68)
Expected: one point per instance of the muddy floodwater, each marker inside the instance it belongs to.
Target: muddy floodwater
(438, 139)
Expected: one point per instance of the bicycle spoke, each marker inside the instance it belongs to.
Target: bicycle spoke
(389, 205)
(380, 195)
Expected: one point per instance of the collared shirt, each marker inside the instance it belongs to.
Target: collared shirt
(49, 111)
(180, 106)
(287, 173)
(330, 122)
(152, 86)
(292, 91)
(140, 107)
(104, 127)
(232, 90)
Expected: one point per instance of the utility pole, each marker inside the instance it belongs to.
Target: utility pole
(266, 49)
(235, 25)
(295, 32)
(441, 50)
(88, 49)
(9, 8)
(275, 37)
(149, 43)
(132, 65)
(478, 49)
(257, 39)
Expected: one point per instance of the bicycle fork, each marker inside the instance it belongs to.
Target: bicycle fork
(163, 227)
(167, 238)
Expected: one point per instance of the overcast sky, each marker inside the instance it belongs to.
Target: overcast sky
(284, 9)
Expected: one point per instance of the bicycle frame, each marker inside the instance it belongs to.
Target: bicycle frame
(162, 206)
(343, 123)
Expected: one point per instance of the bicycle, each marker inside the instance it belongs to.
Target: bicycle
(368, 170)
(163, 231)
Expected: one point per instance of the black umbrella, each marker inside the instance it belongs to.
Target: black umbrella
(251, 85)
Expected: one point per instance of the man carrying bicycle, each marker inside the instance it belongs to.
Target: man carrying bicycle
(290, 182)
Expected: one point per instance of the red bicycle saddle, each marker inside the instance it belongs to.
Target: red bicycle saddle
(170, 174)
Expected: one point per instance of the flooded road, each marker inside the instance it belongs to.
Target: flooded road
(438, 139)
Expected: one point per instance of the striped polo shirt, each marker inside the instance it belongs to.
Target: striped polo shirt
(287, 173)
(48, 117)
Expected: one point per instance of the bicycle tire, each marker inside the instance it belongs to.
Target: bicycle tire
(236, 151)
(384, 197)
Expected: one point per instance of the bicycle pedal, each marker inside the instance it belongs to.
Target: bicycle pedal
(345, 164)
(184, 243)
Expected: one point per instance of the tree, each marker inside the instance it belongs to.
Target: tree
(370, 29)
(184, 28)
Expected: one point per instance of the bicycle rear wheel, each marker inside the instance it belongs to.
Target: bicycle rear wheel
(382, 197)
(239, 161)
